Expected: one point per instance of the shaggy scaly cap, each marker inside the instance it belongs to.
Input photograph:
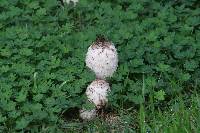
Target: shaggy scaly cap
(97, 93)
(88, 114)
(102, 58)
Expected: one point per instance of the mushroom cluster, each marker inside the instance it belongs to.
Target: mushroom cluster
(102, 59)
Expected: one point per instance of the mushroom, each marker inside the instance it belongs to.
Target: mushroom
(97, 93)
(102, 58)
(87, 114)
(69, 1)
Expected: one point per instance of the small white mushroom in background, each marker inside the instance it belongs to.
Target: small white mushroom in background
(73, 1)
(102, 58)
(87, 114)
(97, 93)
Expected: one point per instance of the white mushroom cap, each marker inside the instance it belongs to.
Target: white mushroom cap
(68, 1)
(87, 114)
(97, 93)
(102, 58)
